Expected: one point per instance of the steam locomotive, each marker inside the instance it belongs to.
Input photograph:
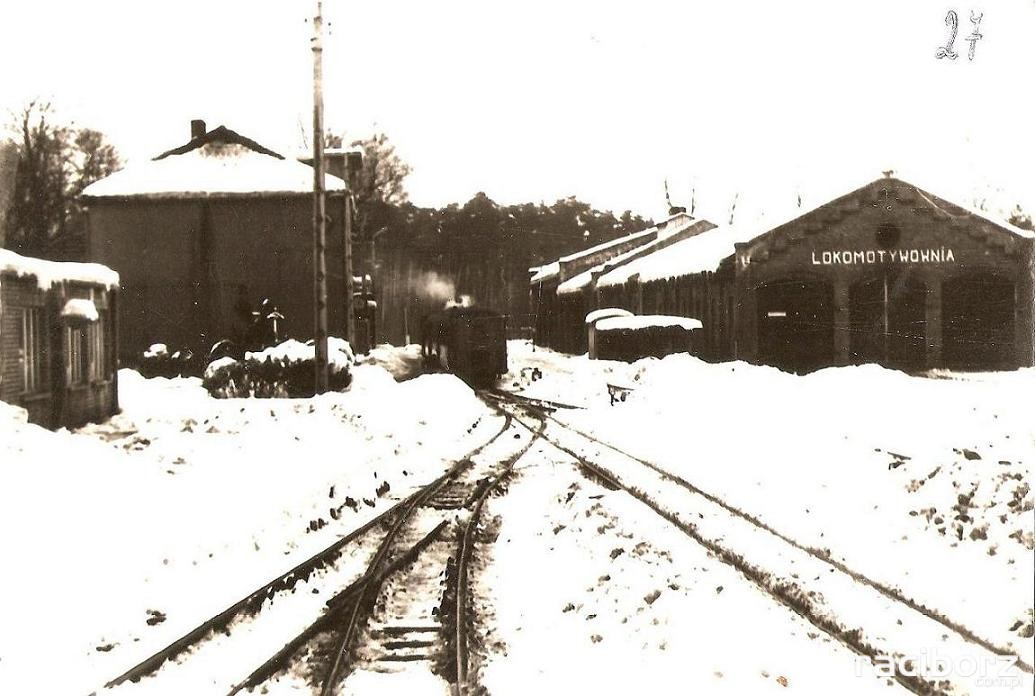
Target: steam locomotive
(470, 342)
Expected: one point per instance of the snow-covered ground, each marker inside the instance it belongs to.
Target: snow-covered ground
(122, 536)
(597, 594)
(923, 485)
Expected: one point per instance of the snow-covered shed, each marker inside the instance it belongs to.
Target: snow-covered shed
(630, 338)
(562, 291)
(58, 339)
(203, 232)
(887, 273)
(546, 279)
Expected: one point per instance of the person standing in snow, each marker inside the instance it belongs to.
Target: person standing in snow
(267, 325)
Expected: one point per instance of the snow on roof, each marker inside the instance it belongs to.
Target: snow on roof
(79, 308)
(606, 313)
(674, 224)
(705, 252)
(665, 230)
(577, 282)
(608, 244)
(647, 321)
(550, 270)
(222, 163)
(967, 208)
(748, 230)
(697, 254)
(49, 272)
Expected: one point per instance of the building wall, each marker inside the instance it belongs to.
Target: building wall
(17, 294)
(184, 264)
(56, 402)
(907, 252)
(926, 286)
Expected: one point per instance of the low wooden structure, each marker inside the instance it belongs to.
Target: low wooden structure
(58, 340)
(591, 324)
(631, 338)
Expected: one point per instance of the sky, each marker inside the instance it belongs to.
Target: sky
(540, 100)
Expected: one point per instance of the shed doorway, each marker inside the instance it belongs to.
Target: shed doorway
(796, 325)
(888, 322)
(978, 322)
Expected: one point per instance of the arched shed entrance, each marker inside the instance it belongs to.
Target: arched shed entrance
(796, 324)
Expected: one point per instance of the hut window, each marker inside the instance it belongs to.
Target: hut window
(98, 355)
(75, 354)
(30, 349)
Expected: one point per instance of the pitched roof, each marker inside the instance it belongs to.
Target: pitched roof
(221, 163)
(697, 254)
(683, 229)
(552, 270)
(707, 251)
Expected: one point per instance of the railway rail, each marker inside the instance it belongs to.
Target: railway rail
(787, 587)
(417, 525)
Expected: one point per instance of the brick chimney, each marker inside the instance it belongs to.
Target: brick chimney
(197, 128)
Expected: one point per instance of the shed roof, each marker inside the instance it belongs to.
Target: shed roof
(551, 270)
(697, 254)
(635, 257)
(221, 163)
(47, 273)
(706, 251)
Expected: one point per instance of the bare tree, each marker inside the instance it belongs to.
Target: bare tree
(54, 163)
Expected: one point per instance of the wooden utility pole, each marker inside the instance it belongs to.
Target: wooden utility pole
(319, 208)
(350, 289)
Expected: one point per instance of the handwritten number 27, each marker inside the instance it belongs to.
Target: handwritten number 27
(951, 20)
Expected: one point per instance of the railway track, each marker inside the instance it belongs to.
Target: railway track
(403, 554)
(840, 601)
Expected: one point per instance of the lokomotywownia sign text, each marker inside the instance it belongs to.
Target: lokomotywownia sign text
(849, 257)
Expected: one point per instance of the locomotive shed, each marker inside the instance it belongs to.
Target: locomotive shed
(888, 273)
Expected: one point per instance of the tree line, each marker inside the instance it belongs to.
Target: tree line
(422, 257)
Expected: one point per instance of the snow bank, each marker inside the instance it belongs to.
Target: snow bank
(339, 353)
(646, 322)
(11, 415)
(403, 362)
(49, 272)
(877, 466)
(216, 365)
(625, 603)
(183, 504)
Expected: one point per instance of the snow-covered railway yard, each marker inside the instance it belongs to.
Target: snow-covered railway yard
(767, 533)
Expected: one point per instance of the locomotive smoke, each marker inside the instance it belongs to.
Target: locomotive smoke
(439, 289)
